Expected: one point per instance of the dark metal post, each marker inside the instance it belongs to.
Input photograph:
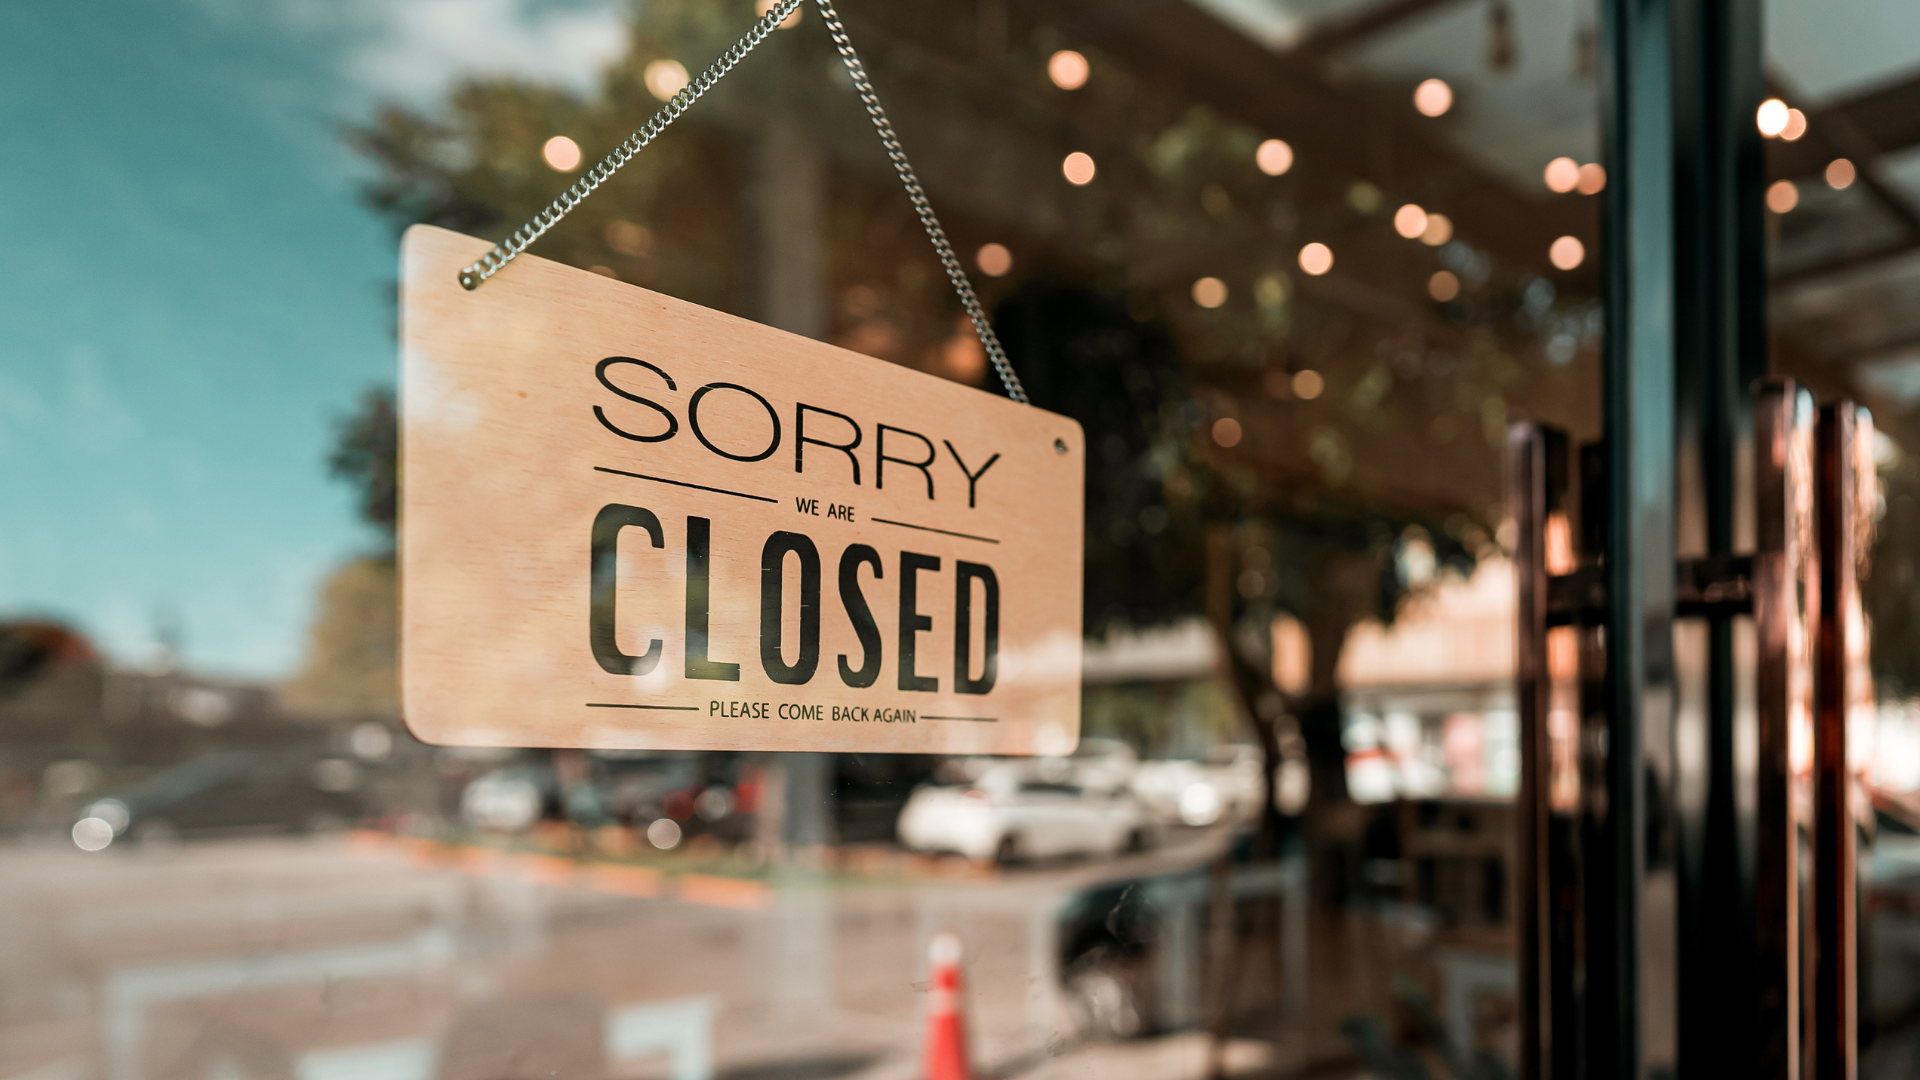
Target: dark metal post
(1720, 327)
(1536, 489)
(1639, 267)
(1841, 647)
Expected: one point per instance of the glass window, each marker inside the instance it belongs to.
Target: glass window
(1295, 267)
(1843, 199)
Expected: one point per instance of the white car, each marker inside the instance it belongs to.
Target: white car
(1009, 817)
(1225, 785)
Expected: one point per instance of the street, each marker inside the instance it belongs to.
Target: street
(370, 957)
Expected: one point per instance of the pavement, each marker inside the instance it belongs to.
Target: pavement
(370, 957)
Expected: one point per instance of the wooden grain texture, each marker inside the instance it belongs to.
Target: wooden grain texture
(513, 417)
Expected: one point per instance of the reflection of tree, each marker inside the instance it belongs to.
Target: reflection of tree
(1306, 511)
(350, 668)
(366, 454)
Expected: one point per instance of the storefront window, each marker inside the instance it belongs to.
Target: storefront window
(1841, 226)
(1295, 268)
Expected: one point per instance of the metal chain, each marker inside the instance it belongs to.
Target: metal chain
(918, 196)
(504, 252)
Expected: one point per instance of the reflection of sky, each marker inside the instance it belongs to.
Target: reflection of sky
(190, 293)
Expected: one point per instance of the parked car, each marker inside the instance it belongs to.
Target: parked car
(1102, 764)
(510, 799)
(226, 792)
(1222, 786)
(1009, 815)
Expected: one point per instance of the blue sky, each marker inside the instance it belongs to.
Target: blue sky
(190, 294)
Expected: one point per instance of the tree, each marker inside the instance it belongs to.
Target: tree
(1261, 452)
(366, 454)
(350, 667)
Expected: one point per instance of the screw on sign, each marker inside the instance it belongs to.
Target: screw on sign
(946, 1045)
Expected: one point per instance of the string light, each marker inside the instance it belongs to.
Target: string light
(1439, 230)
(1593, 179)
(1078, 168)
(1771, 117)
(1316, 259)
(787, 23)
(665, 78)
(1274, 157)
(1068, 69)
(1433, 97)
(1410, 221)
(1210, 292)
(561, 153)
(1567, 253)
(1562, 175)
(1840, 174)
(1782, 196)
(1796, 126)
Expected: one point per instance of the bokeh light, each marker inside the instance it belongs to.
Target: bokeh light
(1443, 285)
(1410, 221)
(1562, 175)
(1078, 168)
(787, 23)
(665, 78)
(994, 260)
(664, 833)
(1308, 384)
(561, 153)
(1771, 117)
(1433, 97)
(92, 834)
(1840, 174)
(1226, 432)
(1210, 292)
(1439, 230)
(1274, 157)
(1593, 179)
(1316, 258)
(1782, 196)
(1567, 253)
(1796, 126)
(1068, 69)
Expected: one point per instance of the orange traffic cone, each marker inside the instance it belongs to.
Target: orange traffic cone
(946, 1054)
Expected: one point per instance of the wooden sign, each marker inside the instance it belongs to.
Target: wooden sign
(630, 522)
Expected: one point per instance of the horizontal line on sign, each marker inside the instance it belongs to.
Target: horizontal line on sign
(683, 483)
(663, 708)
(975, 719)
(943, 532)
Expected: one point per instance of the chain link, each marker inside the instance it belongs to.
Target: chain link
(921, 205)
(504, 252)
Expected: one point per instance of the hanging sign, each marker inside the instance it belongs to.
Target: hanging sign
(631, 522)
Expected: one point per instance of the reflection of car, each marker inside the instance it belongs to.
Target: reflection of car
(226, 792)
(1225, 785)
(1101, 764)
(510, 799)
(1133, 952)
(1008, 817)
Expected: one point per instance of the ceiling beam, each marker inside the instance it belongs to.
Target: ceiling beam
(1846, 263)
(1887, 119)
(1341, 33)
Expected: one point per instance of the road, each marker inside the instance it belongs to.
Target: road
(365, 957)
